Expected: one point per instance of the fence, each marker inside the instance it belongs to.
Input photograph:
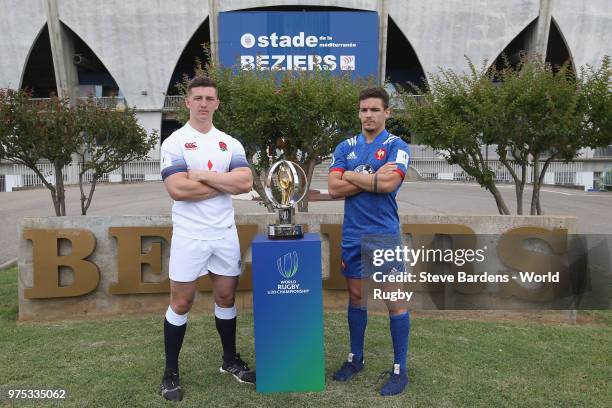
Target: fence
(130, 172)
(429, 168)
(173, 102)
(109, 102)
(435, 169)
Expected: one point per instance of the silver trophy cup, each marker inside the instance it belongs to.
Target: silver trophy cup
(285, 187)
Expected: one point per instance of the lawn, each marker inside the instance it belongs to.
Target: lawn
(112, 363)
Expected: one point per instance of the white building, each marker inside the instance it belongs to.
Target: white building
(138, 49)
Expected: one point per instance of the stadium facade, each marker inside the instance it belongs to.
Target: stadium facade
(138, 49)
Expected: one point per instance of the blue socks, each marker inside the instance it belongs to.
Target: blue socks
(400, 330)
(357, 321)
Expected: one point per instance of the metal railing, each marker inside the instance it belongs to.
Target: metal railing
(111, 102)
(430, 167)
(559, 173)
(173, 102)
(107, 102)
(131, 172)
(603, 152)
(396, 102)
(424, 152)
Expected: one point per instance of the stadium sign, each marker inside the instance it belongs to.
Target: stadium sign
(298, 41)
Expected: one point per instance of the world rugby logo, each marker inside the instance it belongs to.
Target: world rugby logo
(288, 264)
(247, 40)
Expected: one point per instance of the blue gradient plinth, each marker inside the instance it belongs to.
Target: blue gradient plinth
(288, 314)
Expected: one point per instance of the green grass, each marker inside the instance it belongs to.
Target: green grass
(114, 363)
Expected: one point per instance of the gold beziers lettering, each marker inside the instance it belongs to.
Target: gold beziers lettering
(51, 256)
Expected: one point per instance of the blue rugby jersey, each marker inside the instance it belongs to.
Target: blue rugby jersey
(365, 212)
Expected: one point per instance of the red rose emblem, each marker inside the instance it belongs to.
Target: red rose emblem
(223, 146)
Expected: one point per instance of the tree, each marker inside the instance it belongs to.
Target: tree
(454, 115)
(316, 112)
(103, 138)
(547, 116)
(47, 131)
(597, 98)
(110, 138)
(504, 126)
(534, 113)
(283, 115)
(547, 113)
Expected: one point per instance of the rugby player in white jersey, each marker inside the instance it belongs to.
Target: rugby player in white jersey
(202, 167)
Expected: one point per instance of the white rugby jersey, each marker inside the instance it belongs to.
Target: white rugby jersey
(188, 148)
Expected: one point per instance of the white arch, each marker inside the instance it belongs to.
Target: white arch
(205, 21)
(415, 52)
(585, 27)
(567, 47)
(491, 61)
(21, 21)
(27, 58)
(442, 33)
(139, 42)
(97, 55)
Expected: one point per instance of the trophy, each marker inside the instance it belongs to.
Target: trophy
(285, 187)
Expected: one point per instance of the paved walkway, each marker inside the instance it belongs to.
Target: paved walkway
(594, 210)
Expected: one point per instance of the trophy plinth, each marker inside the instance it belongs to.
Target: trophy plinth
(285, 229)
(285, 187)
(279, 231)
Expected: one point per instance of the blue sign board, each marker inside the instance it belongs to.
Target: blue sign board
(339, 42)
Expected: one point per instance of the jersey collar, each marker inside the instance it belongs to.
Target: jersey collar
(211, 132)
(382, 136)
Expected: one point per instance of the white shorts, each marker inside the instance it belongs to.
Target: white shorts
(192, 258)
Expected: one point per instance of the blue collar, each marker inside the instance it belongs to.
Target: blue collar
(378, 139)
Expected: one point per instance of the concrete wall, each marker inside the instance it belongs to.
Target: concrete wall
(139, 42)
(151, 121)
(586, 26)
(21, 22)
(442, 33)
(229, 5)
(100, 303)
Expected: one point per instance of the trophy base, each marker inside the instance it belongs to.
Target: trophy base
(285, 231)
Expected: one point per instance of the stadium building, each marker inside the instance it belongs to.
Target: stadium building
(134, 51)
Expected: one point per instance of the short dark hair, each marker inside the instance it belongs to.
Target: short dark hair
(201, 81)
(375, 92)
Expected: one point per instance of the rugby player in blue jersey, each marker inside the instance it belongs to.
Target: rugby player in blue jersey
(368, 170)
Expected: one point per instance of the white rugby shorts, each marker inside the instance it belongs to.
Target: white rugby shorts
(192, 258)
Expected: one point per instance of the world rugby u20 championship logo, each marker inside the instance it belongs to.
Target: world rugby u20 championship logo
(288, 264)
